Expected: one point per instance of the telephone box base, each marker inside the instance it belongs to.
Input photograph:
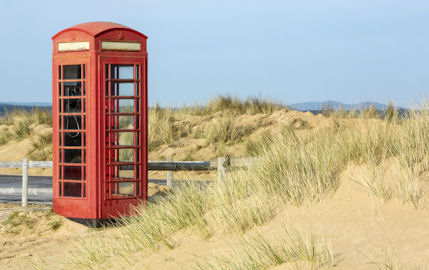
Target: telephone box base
(94, 223)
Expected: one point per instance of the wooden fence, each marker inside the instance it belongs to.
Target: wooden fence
(221, 165)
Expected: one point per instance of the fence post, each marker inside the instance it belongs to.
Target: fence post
(221, 171)
(24, 182)
(170, 175)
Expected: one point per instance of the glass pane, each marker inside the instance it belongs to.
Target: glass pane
(123, 106)
(72, 105)
(123, 138)
(123, 189)
(137, 88)
(72, 156)
(72, 189)
(138, 189)
(125, 122)
(72, 172)
(122, 72)
(72, 72)
(125, 155)
(125, 72)
(122, 89)
(72, 89)
(72, 139)
(123, 172)
(72, 122)
(126, 174)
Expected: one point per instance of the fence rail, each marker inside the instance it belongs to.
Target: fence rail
(221, 165)
(31, 164)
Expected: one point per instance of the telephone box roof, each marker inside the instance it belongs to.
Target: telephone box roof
(96, 28)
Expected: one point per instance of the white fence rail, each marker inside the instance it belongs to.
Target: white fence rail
(221, 165)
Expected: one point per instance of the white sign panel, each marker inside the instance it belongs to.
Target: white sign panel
(120, 46)
(73, 46)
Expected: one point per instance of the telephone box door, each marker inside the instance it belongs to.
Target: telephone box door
(124, 140)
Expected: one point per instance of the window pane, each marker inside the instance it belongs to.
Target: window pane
(72, 156)
(126, 174)
(137, 88)
(72, 122)
(125, 72)
(72, 172)
(72, 105)
(123, 106)
(123, 172)
(72, 189)
(72, 72)
(122, 89)
(72, 139)
(72, 89)
(123, 189)
(122, 138)
(125, 155)
(125, 122)
(122, 72)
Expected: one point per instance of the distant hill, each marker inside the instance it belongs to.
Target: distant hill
(335, 105)
(10, 106)
(304, 106)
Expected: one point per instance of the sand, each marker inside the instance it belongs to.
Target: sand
(361, 230)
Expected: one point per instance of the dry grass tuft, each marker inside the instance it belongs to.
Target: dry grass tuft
(18, 123)
(261, 253)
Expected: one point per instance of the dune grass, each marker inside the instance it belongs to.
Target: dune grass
(17, 125)
(260, 253)
(41, 148)
(234, 106)
(291, 169)
(166, 125)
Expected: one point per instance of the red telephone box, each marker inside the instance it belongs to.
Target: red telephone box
(99, 110)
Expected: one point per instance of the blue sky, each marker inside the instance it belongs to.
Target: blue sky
(287, 51)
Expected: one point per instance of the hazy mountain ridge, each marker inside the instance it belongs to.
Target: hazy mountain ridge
(335, 105)
(10, 106)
